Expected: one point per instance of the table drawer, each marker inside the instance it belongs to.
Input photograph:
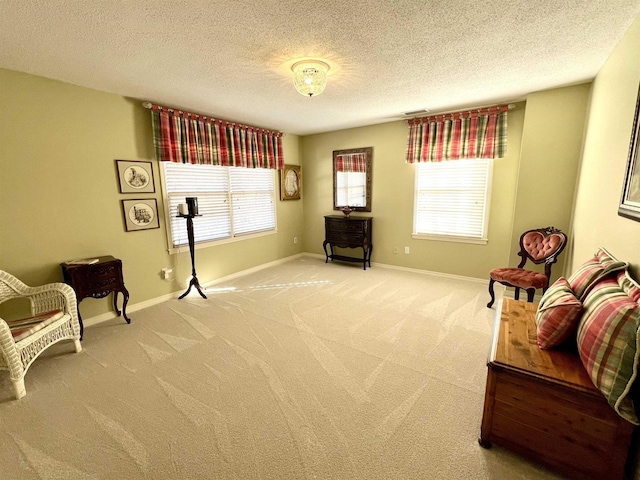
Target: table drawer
(345, 239)
(98, 273)
(96, 280)
(348, 227)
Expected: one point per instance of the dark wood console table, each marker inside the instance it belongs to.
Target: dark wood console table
(348, 232)
(97, 281)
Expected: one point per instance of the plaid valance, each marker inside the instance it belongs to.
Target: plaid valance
(470, 134)
(184, 137)
(352, 162)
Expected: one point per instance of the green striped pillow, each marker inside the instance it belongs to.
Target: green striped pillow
(597, 267)
(608, 340)
(558, 314)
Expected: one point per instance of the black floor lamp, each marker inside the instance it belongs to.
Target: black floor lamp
(192, 211)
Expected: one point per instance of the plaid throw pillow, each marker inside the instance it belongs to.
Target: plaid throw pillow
(608, 341)
(21, 329)
(585, 277)
(558, 314)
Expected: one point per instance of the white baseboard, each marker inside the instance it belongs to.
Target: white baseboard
(154, 301)
(417, 270)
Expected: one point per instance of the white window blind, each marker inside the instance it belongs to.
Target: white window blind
(252, 199)
(452, 199)
(233, 201)
(351, 188)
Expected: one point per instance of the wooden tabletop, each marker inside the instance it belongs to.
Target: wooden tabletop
(514, 347)
(101, 259)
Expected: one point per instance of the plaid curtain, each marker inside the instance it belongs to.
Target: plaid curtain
(353, 162)
(470, 134)
(184, 137)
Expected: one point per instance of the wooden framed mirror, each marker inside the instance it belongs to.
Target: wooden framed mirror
(352, 179)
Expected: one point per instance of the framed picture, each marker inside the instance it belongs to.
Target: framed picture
(135, 176)
(140, 214)
(290, 182)
(630, 201)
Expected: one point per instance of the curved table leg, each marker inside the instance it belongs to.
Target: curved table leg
(80, 320)
(493, 297)
(125, 295)
(115, 302)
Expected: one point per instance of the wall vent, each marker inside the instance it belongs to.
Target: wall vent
(416, 112)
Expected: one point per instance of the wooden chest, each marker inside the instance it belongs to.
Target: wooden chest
(543, 405)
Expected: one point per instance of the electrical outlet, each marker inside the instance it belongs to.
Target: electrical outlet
(295, 239)
(406, 250)
(167, 273)
(395, 250)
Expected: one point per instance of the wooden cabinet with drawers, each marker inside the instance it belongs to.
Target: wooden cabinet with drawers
(97, 280)
(347, 232)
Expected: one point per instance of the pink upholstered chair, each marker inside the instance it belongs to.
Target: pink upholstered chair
(540, 246)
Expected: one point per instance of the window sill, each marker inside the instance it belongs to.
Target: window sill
(450, 238)
(222, 241)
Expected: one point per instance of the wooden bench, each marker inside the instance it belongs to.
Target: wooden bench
(542, 404)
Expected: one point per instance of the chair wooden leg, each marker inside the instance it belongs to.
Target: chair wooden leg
(516, 295)
(530, 293)
(76, 343)
(18, 388)
(493, 297)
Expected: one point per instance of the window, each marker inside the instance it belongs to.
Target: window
(233, 201)
(452, 200)
(351, 188)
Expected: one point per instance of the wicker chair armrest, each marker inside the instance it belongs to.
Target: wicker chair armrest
(40, 297)
(52, 296)
(9, 356)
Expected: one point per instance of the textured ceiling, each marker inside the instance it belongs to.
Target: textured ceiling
(231, 59)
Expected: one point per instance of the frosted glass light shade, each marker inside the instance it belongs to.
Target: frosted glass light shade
(310, 77)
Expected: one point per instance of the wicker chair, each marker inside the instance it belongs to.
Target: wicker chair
(54, 318)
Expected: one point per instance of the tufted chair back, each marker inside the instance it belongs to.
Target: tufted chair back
(542, 245)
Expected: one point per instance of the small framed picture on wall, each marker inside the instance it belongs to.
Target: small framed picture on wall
(140, 214)
(290, 182)
(135, 176)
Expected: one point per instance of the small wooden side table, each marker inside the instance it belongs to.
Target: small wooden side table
(348, 232)
(97, 281)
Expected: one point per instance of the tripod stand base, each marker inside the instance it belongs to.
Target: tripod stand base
(193, 283)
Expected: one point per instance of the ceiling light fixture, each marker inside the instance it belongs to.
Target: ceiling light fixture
(310, 77)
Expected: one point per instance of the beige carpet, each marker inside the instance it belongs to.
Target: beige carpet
(301, 371)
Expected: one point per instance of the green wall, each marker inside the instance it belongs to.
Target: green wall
(60, 200)
(554, 124)
(532, 186)
(596, 222)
